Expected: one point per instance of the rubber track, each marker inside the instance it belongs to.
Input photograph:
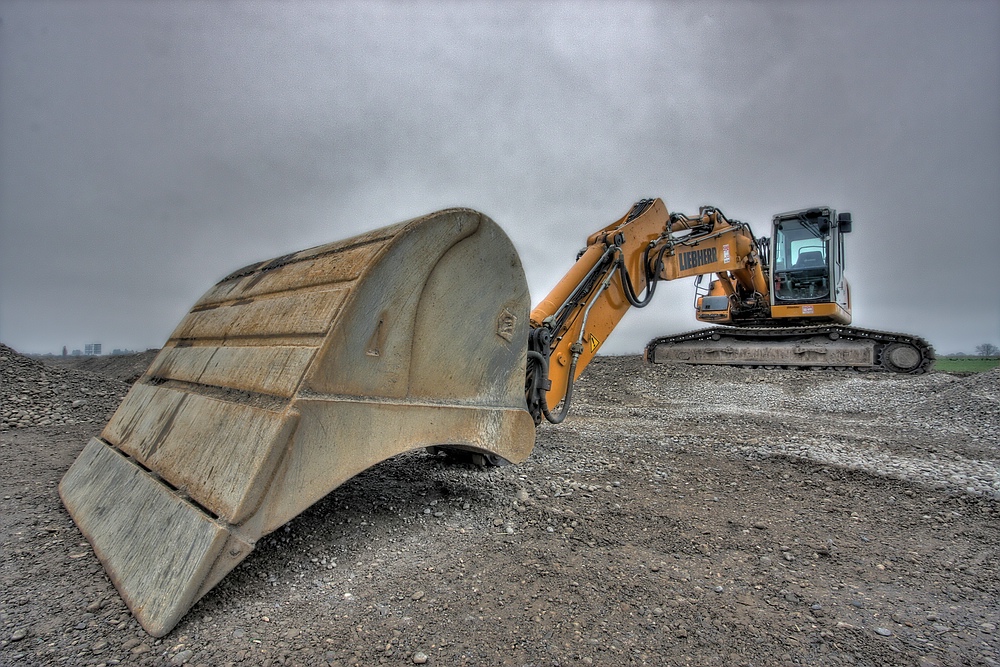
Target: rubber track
(792, 333)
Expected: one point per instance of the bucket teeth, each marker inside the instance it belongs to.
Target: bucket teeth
(288, 378)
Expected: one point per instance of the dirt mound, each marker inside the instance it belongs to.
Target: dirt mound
(124, 367)
(36, 394)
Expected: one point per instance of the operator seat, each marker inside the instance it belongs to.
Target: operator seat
(809, 260)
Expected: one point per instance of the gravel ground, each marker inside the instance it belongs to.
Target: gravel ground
(680, 516)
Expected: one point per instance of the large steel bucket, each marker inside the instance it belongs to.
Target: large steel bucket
(288, 378)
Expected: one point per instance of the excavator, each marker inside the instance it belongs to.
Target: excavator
(292, 375)
(792, 313)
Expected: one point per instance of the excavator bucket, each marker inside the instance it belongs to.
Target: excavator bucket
(291, 376)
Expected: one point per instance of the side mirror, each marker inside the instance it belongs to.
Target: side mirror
(844, 222)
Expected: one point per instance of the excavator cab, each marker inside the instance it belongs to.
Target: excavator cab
(807, 273)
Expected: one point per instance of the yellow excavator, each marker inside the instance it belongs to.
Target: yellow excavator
(292, 375)
(788, 307)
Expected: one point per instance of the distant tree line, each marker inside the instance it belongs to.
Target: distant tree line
(984, 350)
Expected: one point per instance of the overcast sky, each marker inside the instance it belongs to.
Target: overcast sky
(148, 149)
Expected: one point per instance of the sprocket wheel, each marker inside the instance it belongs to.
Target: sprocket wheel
(901, 357)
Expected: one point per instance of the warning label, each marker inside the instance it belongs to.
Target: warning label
(594, 343)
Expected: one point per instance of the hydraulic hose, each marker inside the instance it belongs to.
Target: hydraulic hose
(584, 287)
(652, 277)
(544, 367)
(564, 411)
(612, 259)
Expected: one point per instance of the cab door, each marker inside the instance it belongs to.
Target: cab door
(842, 289)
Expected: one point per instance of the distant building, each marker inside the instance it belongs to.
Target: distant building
(92, 349)
(77, 353)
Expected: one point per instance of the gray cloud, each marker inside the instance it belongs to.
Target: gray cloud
(147, 149)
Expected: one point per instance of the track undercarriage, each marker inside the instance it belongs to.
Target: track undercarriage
(831, 347)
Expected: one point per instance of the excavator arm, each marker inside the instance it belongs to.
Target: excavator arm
(624, 260)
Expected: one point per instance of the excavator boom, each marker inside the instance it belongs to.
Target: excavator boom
(621, 262)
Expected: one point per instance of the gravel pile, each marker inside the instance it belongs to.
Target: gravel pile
(973, 400)
(124, 367)
(35, 394)
(934, 429)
